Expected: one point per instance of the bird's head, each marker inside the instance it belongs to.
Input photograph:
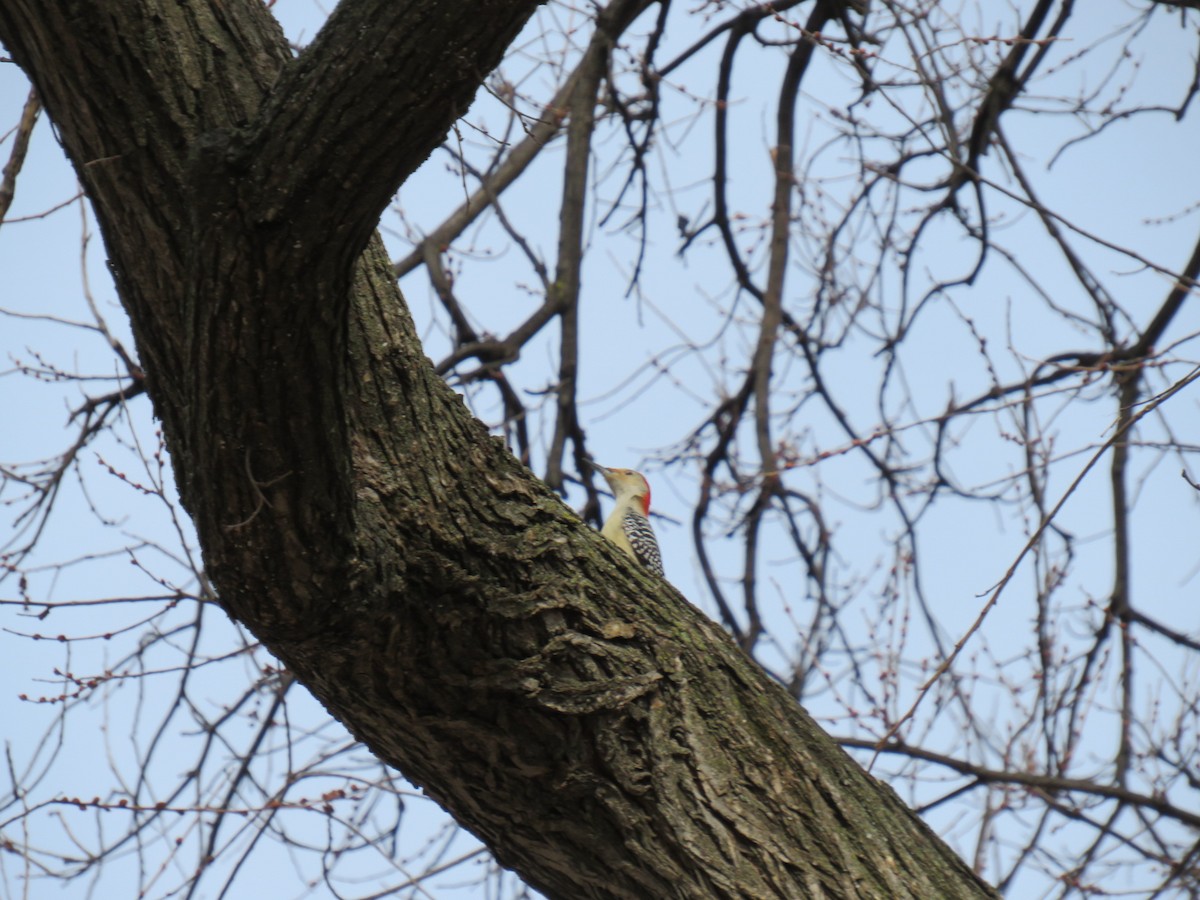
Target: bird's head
(627, 483)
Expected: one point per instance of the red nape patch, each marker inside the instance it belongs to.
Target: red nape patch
(646, 499)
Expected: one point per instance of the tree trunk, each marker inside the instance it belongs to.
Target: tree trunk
(600, 734)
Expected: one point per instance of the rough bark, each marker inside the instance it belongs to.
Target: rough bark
(599, 733)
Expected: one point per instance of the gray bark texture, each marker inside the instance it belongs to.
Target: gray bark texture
(601, 735)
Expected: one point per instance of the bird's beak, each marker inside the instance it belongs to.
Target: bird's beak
(603, 470)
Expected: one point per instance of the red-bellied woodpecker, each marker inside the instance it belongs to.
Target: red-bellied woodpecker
(627, 525)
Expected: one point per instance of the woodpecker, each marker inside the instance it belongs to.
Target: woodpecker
(627, 525)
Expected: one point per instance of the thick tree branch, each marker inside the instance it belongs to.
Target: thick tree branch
(366, 103)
